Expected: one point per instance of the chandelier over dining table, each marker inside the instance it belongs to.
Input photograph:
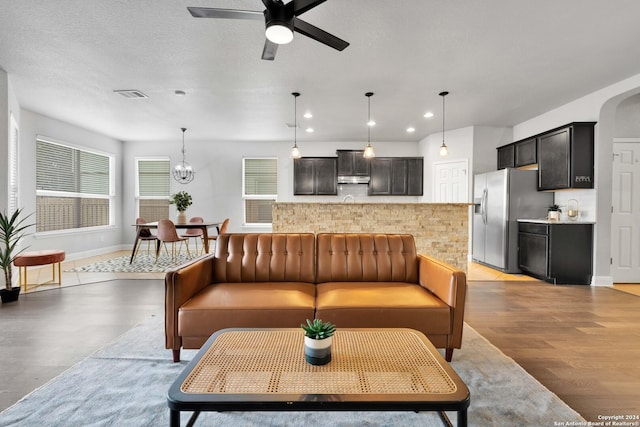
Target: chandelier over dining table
(183, 172)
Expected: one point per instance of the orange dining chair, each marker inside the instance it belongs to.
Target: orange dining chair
(194, 233)
(144, 235)
(223, 230)
(167, 234)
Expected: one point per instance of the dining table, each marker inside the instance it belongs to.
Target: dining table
(204, 226)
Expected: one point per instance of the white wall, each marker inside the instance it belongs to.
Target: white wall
(217, 187)
(460, 146)
(78, 243)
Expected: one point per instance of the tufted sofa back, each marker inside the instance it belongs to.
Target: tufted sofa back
(265, 257)
(366, 257)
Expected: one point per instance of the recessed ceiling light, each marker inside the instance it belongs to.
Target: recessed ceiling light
(309, 130)
(371, 123)
(180, 93)
(411, 129)
(428, 114)
(308, 115)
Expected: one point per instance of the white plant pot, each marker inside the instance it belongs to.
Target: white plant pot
(182, 217)
(317, 352)
(553, 216)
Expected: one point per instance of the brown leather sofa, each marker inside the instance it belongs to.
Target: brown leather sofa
(279, 280)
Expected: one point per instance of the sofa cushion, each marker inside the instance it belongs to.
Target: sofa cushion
(366, 257)
(240, 305)
(382, 305)
(265, 257)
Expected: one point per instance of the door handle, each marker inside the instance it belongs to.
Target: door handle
(483, 206)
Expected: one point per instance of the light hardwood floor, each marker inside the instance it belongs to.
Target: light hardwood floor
(581, 342)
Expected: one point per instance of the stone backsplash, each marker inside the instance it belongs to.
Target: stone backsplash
(441, 230)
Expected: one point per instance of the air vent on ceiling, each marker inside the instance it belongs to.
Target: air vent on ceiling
(291, 125)
(131, 93)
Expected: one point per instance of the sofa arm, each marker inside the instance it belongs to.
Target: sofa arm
(450, 285)
(182, 283)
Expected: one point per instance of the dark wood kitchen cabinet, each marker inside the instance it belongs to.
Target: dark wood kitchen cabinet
(526, 152)
(565, 157)
(315, 176)
(352, 163)
(396, 176)
(506, 156)
(556, 253)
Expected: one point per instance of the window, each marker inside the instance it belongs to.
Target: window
(13, 201)
(260, 189)
(73, 187)
(152, 190)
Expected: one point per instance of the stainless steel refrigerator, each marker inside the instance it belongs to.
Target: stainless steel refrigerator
(500, 199)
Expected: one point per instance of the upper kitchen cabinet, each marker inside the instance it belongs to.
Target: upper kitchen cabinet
(396, 176)
(565, 157)
(352, 163)
(315, 176)
(506, 156)
(525, 152)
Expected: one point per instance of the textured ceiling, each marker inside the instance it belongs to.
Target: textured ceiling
(502, 61)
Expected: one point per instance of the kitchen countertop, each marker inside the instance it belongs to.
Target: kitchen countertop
(562, 221)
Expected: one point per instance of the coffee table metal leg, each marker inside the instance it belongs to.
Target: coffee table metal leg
(174, 418)
(446, 420)
(462, 418)
(193, 418)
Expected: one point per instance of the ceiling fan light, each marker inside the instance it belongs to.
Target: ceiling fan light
(279, 33)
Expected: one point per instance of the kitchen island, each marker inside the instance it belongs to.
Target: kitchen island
(441, 230)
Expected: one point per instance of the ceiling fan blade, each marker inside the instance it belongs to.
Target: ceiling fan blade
(269, 51)
(319, 35)
(209, 12)
(298, 7)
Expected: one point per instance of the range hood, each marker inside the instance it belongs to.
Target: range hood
(353, 179)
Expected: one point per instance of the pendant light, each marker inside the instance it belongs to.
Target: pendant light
(368, 150)
(443, 148)
(295, 151)
(183, 172)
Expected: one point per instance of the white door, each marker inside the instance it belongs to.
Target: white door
(451, 181)
(625, 216)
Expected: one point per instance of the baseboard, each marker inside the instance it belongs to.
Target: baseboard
(601, 281)
(97, 252)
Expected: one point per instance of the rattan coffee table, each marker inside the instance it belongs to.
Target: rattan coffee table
(370, 370)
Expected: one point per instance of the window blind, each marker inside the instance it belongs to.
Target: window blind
(66, 169)
(13, 201)
(260, 187)
(72, 187)
(153, 178)
(260, 177)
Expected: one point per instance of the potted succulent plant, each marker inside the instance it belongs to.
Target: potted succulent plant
(12, 229)
(182, 200)
(318, 337)
(554, 213)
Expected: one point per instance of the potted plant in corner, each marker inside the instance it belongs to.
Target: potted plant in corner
(317, 341)
(12, 229)
(554, 213)
(182, 200)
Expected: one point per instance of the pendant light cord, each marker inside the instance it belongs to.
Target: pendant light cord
(183, 150)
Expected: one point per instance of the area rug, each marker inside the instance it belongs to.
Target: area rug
(142, 263)
(126, 384)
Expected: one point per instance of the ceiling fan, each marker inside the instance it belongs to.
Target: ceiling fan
(281, 21)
